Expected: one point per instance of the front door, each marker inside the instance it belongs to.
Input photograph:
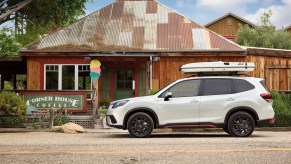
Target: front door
(124, 83)
(183, 107)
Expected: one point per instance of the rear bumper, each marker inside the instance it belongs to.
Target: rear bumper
(267, 122)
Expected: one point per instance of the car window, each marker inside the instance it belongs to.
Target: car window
(263, 84)
(186, 88)
(242, 85)
(217, 86)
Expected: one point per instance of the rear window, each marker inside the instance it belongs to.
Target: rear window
(242, 85)
(263, 84)
(217, 87)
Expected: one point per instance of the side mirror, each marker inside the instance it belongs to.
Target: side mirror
(168, 95)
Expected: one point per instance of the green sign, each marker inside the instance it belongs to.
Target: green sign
(49, 101)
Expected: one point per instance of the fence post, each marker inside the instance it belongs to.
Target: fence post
(51, 121)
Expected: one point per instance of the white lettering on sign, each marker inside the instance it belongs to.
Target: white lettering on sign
(54, 102)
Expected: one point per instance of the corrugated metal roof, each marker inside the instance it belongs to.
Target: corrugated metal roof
(134, 25)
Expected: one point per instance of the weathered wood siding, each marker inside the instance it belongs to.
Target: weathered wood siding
(35, 68)
(275, 70)
(33, 74)
(166, 70)
(227, 26)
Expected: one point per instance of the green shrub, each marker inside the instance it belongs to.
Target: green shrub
(8, 122)
(153, 91)
(61, 117)
(102, 111)
(282, 108)
(105, 101)
(12, 109)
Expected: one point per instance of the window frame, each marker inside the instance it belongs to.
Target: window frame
(60, 75)
(204, 86)
(236, 87)
(167, 90)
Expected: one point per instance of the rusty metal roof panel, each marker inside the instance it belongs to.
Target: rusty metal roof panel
(139, 25)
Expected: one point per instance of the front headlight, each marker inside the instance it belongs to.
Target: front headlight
(119, 103)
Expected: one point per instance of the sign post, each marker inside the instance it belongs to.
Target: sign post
(95, 74)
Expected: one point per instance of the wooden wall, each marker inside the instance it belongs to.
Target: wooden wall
(35, 68)
(227, 26)
(273, 66)
(275, 70)
(166, 70)
(33, 74)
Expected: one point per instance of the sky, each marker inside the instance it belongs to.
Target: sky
(205, 11)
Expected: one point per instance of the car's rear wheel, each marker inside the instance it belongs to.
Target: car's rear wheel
(241, 124)
(226, 130)
(140, 125)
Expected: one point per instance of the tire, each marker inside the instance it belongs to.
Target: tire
(226, 130)
(140, 125)
(241, 124)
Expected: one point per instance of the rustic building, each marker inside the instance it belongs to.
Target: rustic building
(141, 45)
(228, 25)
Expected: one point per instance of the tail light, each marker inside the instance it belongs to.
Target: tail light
(267, 96)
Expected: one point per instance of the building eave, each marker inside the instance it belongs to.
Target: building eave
(233, 15)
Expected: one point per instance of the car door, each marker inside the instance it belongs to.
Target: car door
(217, 98)
(183, 107)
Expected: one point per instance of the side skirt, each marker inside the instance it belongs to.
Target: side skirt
(193, 125)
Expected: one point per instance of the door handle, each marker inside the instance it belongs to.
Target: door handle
(230, 99)
(194, 101)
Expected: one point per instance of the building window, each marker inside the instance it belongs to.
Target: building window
(67, 77)
(52, 73)
(84, 80)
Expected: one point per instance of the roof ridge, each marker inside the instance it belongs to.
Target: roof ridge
(230, 14)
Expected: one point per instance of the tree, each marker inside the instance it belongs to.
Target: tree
(41, 16)
(6, 10)
(8, 44)
(264, 35)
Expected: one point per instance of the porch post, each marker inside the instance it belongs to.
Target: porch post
(2, 82)
(151, 72)
(14, 82)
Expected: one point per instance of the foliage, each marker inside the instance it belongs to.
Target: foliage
(61, 117)
(11, 105)
(264, 35)
(153, 91)
(102, 111)
(42, 16)
(105, 102)
(282, 108)
(8, 44)
(12, 110)
(7, 122)
(32, 34)
(8, 85)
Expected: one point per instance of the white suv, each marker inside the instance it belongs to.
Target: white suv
(236, 104)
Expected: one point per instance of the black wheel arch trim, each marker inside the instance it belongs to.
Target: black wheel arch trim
(141, 109)
(242, 108)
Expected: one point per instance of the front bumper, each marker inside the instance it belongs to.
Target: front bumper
(111, 121)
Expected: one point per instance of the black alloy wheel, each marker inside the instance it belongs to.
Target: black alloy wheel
(140, 125)
(241, 124)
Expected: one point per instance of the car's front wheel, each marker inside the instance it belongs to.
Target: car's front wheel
(140, 125)
(241, 124)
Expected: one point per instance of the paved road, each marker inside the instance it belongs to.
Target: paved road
(48, 147)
